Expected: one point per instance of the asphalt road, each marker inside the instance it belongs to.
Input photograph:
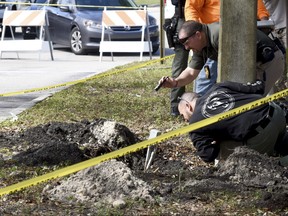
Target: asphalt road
(32, 70)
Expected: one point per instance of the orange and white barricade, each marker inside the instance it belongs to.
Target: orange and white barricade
(126, 19)
(22, 18)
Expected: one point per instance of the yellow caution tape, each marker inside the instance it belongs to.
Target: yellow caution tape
(138, 146)
(104, 74)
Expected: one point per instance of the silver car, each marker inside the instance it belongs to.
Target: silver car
(77, 23)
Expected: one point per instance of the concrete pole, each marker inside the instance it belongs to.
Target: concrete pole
(286, 68)
(237, 41)
(286, 27)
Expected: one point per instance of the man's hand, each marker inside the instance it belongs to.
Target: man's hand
(166, 82)
(257, 82)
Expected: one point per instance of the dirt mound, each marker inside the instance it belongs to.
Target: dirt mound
(251, 168)
(53, 153)
(108, 183)
(68, 143)
(175, 176)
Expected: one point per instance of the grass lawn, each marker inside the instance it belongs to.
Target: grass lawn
(148, 2)
(127, 97)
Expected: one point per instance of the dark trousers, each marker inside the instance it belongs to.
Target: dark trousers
(179, 64)
(270, 140)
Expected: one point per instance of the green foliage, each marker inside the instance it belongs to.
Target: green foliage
(148, 2)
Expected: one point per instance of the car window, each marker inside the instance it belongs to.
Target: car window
(54, 2)
(2, 5)
(121, 3)
(41, 1)
(65, 2)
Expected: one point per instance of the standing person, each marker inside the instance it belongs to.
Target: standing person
(180, 60)
(206, 12)
(278, 13)
(204, 39)
(262, 128)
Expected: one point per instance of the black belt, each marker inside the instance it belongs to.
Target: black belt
(263, 123)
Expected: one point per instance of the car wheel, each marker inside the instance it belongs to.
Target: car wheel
(76, 42)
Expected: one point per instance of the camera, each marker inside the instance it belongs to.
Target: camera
(170, 27)
(265, 54)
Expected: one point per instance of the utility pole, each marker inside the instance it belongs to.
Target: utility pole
(286, 22)
(162, 33)
(237, 41)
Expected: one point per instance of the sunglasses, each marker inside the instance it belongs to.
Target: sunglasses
(180, 98)
(185, 40)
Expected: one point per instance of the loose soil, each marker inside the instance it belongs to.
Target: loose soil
(177, 183)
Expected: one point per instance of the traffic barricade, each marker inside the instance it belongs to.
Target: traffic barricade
(25, 18)
(126, 19)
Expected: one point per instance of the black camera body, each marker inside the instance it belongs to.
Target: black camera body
(265, 53)
(170, 27)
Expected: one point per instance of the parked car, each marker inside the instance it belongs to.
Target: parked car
(2, 8)
(77, 24)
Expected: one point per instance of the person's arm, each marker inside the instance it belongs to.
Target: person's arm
(206, 147)
(192, 8)
(186, 77)
(257, 87)
(262, 12)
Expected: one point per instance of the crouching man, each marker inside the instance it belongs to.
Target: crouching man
(262, 128)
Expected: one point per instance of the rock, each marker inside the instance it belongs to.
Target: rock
(119, 203)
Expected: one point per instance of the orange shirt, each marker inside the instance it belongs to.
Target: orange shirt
(203, 11)
(262, 12)
(208, 11)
